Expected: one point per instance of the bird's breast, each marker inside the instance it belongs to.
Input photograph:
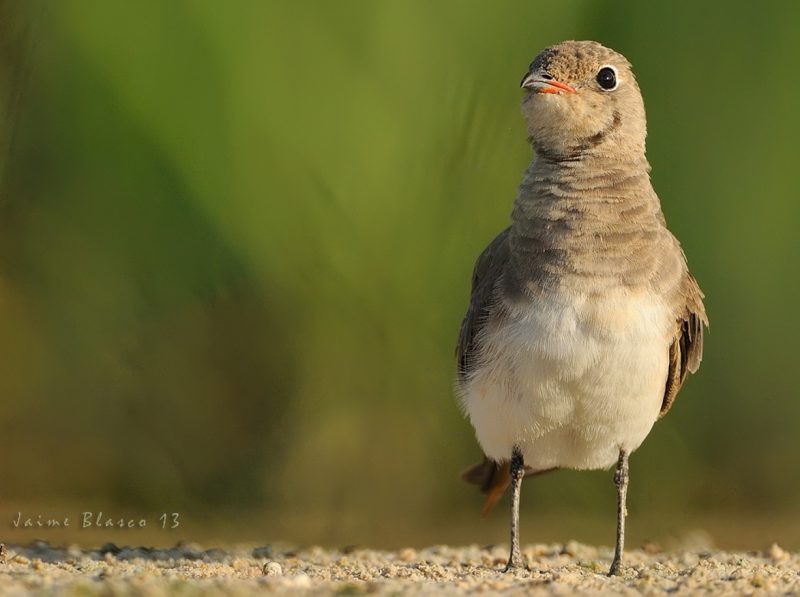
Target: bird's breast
(572, 375)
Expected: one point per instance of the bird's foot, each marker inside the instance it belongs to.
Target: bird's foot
(616, 567)
(515, 562)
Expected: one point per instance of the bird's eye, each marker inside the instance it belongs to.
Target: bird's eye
(607, 78)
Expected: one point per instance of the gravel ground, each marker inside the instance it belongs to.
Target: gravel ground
(554, 570)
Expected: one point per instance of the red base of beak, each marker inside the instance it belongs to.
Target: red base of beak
(555, 87)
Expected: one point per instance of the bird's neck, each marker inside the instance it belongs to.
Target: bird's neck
(587, 176)
(586, 191)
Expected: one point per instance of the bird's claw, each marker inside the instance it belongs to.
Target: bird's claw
(616, 568)
(515, 562)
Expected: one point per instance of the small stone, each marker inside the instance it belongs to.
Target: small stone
(777, 553)
(302, 581)
(265, 551)
(272, 569)
(214, 555)
(110, 548)
(407, 554)
(39, 545)
(74, 551)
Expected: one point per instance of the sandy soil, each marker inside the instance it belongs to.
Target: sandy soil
(554, 570)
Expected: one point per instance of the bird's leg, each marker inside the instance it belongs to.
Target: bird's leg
(517, 473)
(621, 481)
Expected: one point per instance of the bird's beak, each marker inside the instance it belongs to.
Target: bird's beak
(543, 83)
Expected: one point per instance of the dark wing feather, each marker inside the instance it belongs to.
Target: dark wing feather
(487, 270)
(492, 477)
(686, 350)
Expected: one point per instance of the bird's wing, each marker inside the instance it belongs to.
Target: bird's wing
(487, 271)
(492, 477)
(686, 350)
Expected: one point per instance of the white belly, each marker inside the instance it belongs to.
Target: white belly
(571, 380)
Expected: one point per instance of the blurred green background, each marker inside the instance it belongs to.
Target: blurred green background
(236, 243)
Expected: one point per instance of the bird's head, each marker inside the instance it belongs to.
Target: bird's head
(581, 98)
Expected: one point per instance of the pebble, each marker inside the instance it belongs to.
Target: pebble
(264, 551)
(273, 569)
(407, 555)
(777, 553)
(302, 581)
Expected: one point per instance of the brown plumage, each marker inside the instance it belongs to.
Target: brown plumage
(686, 350)
(583, 319)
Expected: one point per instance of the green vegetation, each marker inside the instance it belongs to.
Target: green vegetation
(236, 242)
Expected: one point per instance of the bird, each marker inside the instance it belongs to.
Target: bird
(583, 319)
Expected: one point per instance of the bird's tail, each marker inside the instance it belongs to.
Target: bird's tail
(493, 478)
